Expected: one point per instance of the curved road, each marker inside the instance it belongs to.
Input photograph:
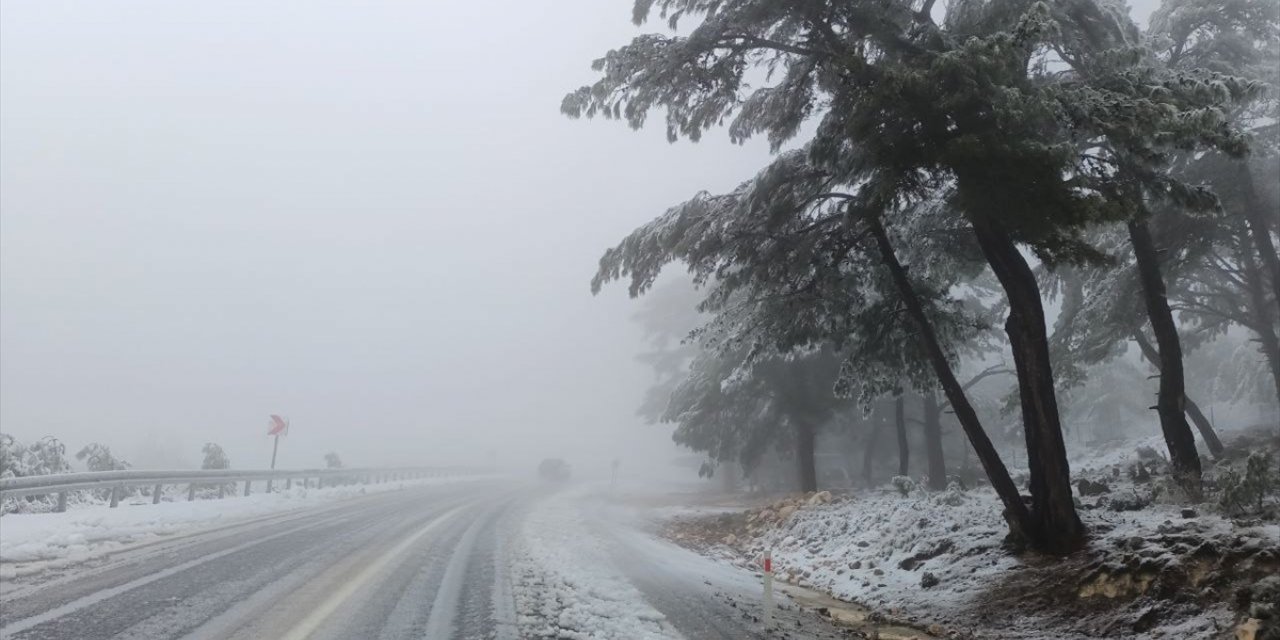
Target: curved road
(425, 562)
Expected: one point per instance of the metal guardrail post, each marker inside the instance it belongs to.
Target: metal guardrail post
(288, 483)
(246, 487)
(118, 482)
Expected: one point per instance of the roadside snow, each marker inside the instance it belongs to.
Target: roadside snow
(875, 550)
(566, 586)
(31, 543)
(939, 558)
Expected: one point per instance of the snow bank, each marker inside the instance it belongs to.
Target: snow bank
(876, 549)
(30, 543)
(939, 558)
(566, 586)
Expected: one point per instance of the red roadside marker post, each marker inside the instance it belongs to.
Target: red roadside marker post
(768, 589)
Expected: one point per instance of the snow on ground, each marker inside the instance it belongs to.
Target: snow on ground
(931, 557)
(34, 542)
(566, 585)
(1154, 572)
(876, 549)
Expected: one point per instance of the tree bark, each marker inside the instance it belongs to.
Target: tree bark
(808, 470)
(1171, 398)
(1057, 526)
(1193, 410)
(933, 441)
(869, 453)
(900, 421)
(1259, 230)
(1264, 327)
(1016, 512)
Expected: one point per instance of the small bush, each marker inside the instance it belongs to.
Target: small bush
(1247, 493)
(953, 496)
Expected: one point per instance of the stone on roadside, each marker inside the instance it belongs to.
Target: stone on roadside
(821, 497)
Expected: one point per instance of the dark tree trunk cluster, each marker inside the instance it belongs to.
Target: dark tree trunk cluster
(1055, 525)
(1171, 398)
(932, 424)
(1197, 416)
(900, 422)
(1016, 512)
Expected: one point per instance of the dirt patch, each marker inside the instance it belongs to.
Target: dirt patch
(1123, 590)
(702, 532)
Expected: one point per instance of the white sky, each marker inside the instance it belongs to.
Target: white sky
(368, 216)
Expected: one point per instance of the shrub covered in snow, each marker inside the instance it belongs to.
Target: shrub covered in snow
(43, 457)
(1249, 492)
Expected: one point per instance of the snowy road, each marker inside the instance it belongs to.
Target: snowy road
(483, 560)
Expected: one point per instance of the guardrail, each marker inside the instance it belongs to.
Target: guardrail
(117, 481)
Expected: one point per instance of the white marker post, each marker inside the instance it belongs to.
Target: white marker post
(768, 589)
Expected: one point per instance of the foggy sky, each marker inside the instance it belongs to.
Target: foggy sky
(368, 216)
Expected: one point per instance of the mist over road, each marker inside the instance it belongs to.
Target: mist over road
(490, 559)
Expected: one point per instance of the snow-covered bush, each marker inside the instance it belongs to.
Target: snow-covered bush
(98, 457)
(953, 496)
(214, 457)
(905, 485)
(1248, 492)
(42, 457)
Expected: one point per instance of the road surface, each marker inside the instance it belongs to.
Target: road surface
(439, 562)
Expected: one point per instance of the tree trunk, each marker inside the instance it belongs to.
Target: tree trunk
(1193, 410)
(1264, 325)
(869, 453)
(900, 421)
(1260, 231)
(933, 441)
(1016, 512)
(1171, 398)
(806, 467)
(1057, 526)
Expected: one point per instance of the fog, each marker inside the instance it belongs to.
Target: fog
(369, 217)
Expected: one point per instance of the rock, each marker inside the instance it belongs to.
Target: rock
(878, 572)
(1136, 543)
(936, 630)
(928, 580)
(730, 539)
(821, 497)
(916, 559)
(1087, 487)
(856, 564)
(1248, 630)
(1146, 620)
(1189, 513)
(785, 512)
